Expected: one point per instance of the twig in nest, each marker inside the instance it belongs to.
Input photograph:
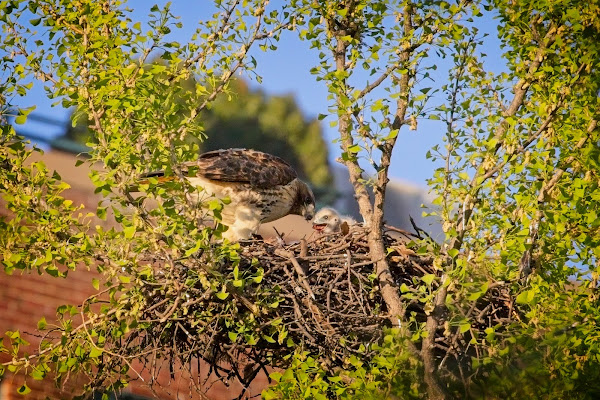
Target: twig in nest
(303, 248)
(279, 237)
(298, 268)
(417, 229)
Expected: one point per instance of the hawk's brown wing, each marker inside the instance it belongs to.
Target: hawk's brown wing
(260, 170)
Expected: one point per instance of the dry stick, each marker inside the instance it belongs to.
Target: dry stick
(331, 289)
(299, 318)
(299, 270)
(351, 290)
(404, 232)
(168, 313)
(335, 256)
(417, 229)
(339, 246)
(417, 266)
(318, 317)
(303, 248)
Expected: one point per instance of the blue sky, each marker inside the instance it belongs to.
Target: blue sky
(287, 71)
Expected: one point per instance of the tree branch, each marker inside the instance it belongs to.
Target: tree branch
(520, 90)
(525, 264)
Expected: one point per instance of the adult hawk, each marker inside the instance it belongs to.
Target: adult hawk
(261, 187)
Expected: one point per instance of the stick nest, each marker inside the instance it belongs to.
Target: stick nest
(321, 294)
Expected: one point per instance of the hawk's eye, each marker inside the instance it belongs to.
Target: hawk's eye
(308, 200)
(326, 217)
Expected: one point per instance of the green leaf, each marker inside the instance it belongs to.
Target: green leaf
(269, 339)
(428, 278)
(37, 374)
(194, 249)
(24, 389)
(95, 352)
(42, 324)
(258, 278)
(393, 134)
(101, 213)
(129, 231)
(525, 297)
(354, 149)
(465, 326)
(96, 283)
(269, 395)
(215, 204)
(251, 339)
(276, 376)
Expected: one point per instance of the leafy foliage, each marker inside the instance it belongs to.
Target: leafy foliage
(392, 371)
(94, 58)
(517, 185)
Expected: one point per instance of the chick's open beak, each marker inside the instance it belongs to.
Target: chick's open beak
(319, 227)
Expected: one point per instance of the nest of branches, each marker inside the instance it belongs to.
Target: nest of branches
(322, 294)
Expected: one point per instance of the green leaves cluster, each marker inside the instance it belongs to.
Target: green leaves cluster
(34, 236)
(393, 370)
(518, 188)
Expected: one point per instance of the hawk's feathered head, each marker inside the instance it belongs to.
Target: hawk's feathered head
(304, 203)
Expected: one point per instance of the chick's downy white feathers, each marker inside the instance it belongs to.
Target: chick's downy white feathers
(328, 220)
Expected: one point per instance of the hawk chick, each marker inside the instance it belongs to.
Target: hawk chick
(328, 220)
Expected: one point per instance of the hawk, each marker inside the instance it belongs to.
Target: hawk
(328, 220)
(261, 188)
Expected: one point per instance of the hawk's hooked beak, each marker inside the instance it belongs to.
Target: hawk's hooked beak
(308, 212)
